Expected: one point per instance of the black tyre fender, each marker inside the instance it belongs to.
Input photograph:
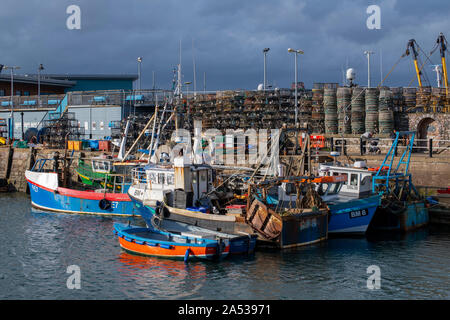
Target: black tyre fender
(104, 204)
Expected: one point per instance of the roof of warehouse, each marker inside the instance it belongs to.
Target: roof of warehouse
(45, 80)
(94, 76)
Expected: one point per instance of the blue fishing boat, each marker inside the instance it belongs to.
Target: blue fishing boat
(47, 194)
(239, 243)
(349, 197)
(159, 243)
(402, 207)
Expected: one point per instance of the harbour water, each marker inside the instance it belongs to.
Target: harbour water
(37, 247)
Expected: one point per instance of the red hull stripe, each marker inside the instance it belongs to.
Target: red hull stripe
(89, 195)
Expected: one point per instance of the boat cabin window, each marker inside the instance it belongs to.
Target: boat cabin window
(365, 180)
(334, 188)
(161, 178)
(101, 165)
(354, 179)
(290, 189)
(170, 178)
(152, 177)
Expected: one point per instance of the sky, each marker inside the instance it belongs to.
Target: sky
(226, 39)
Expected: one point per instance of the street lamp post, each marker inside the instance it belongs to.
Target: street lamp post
(139, 59)
(187, 101)
(41, 67)
(368, 53)
(296, 81)
(265, 54)
(11, 130)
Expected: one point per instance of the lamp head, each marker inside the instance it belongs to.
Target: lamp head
(266, 49)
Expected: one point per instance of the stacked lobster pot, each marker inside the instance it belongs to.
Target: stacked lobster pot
(371, 119)
(344, 101)
(317, 112)
(409, 99)
(397, 98)
(385, 111)
(423, 97)
(357, 118)
(330, 107)
(438, 98)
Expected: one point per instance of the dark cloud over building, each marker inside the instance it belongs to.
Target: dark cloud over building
(228, 38)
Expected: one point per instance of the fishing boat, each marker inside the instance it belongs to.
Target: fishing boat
(181, 191)
(242, 243)
(104, 172)
(402, 207)
(348, 194)
(46, 193)
(182, 245)
(287, 224)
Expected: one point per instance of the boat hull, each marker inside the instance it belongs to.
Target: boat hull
(80, 202)
(415, 215)
(352, 217)
(287, 230)
(130, 241)
(239, 245)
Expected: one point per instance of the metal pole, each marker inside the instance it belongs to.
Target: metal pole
(264, 85)
(12, 103)
(368, 53)
(296, 80)
(39, 86)
(139, 72)
(153, 80)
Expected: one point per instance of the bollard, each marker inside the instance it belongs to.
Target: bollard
(332, 143)
(344, 147)
(430, 147)
(361, 151)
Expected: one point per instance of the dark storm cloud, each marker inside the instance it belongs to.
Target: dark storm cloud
(228, 36)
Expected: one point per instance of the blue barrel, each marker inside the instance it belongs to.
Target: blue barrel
(93, 144)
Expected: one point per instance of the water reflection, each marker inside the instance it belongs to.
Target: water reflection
(38, 246)
(167, 278)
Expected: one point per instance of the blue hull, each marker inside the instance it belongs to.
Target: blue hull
(413, 216)
(353, 216)
(53, 201)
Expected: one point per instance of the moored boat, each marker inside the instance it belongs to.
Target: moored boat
(47, 194)
(350, 199)
(287, 224)
(242, 243)
(182, 192)
(153, 242)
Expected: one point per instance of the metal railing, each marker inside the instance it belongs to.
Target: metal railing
(359, 146)
(80, 98)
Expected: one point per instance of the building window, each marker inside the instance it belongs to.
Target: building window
(2, 93)
(17, 92)
(86, 125)
(26, 93)
(102, 125)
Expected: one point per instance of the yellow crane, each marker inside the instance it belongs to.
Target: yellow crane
(442, 42)
(411, 45)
